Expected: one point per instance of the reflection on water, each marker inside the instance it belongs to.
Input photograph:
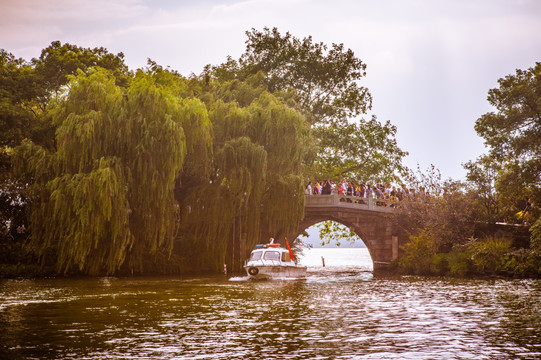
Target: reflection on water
(343, 314)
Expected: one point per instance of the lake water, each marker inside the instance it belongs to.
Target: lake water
(337, 312)
(337, 259)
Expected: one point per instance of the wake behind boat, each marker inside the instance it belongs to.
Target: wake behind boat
(271, 260)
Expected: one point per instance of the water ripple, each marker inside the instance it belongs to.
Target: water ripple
(340, 314)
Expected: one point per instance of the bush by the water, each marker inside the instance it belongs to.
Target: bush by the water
(490, 255)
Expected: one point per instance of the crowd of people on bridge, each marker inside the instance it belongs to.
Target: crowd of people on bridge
(364, 190)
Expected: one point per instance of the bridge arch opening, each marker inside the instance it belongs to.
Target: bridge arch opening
(334, 245)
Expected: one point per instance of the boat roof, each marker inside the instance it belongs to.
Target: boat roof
(268, 246)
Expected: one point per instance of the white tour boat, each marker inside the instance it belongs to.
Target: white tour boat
(273, 261)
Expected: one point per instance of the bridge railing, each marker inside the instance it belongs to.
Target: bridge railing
(353, 202)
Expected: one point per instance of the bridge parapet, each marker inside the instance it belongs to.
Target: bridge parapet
(350, 202)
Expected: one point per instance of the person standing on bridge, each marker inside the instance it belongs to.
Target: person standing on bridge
(326, 190)
(402, 192)
(350, 189)
(387, 190)
(340, 189)
(368, 191)
(526, 212)
(378, 193)
(308, 190)
(358, 190)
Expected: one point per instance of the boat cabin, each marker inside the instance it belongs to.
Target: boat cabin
(271, 253)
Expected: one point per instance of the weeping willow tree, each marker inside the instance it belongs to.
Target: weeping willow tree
(155, 160)
(217, 213)
(255, 188)
(284, 134)
(106, 195)
(152, 178)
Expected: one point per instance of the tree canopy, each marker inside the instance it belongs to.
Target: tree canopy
(112, 176)
(27, 87)
(512, 134)
(159, 172)
(324, 84)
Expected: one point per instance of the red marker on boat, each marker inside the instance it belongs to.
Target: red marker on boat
(290, 252)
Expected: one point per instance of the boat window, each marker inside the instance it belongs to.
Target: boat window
(286, 257)
(256, 255)
(272, 255)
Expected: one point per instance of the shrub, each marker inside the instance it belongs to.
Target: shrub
(488, 254)
(459, 263)
(535, 239)
(519, 263)
(440, 264)
(418, 253)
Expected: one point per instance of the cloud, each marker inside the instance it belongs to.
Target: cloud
(30, 25)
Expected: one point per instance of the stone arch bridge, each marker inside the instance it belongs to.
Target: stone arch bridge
(369, 218)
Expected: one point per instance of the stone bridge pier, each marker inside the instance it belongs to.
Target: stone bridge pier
(370, 220)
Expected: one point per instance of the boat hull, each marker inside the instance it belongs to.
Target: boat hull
(259, 272)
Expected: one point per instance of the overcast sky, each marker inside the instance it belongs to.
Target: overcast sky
(430, 64)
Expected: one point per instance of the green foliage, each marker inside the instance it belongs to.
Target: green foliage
(418, 255)
(88, 221)
(360, 150)
(440, 264)
(12, 202)
(243, 164)
(488, 254)
(325, 80)
(447, 211)
(482, 175)
(155, 158)
(333, 232)
(514, 128)
(151, 171)
(27, 88)
(133, 172)
(256, 181)
(459, 263)
(522, 263)
(513, 136)
(58, 61)
(535, 247)
(535, 239)
(100, 195)
(322, 82)
(283, 133)
(17, 92)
